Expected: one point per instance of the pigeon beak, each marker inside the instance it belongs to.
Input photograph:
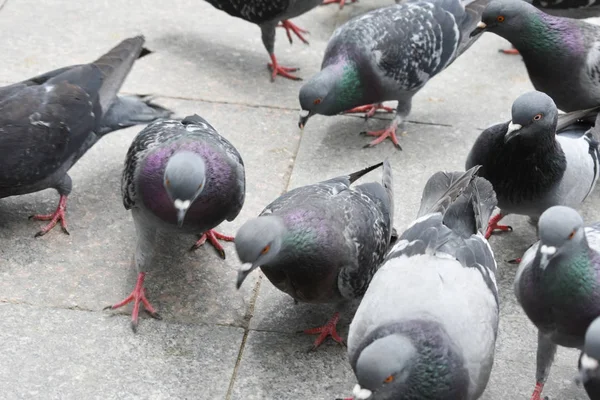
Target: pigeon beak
(182, 208)
(304, 116)
(512, 131)
(547, 253)
(243, 272)
(589, 367)
(481, 26)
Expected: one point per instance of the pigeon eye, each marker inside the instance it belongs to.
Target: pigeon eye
(537, 117)
(317, 101)
(389, 379)
(266, 249)
(500, 18)
(571, 235)
(167, 182)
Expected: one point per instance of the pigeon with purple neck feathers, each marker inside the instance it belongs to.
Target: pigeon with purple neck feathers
(389, 54)
(321, 243)
(47, 123)
(562, 55)
(539, 159)
(558, 285)
(427, 325)
(180, 176)
(267, 14)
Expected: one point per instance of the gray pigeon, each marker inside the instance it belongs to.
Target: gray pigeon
(389, 54)
(562, 55)
(48, 122)
(180, 176)
(537, 160)
(267, 14)
(321, 243)
(558, 285)
(589, 362)
(427, 326)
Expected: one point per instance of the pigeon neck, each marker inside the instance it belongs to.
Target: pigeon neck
(349, 89)
(548, 36)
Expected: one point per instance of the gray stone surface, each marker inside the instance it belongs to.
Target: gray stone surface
(215, 342)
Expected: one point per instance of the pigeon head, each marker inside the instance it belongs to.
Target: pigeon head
(334, 89)
(590, 359)
(505, 18)
(383, 367)
(534, 116)
(257, 243)
(561, 231)
(184, 179)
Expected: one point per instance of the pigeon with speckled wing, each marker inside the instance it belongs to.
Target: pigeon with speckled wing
(48, 122)
(389, 54)
(427, 325)
(180, 176)
(539, 159)
(267, 14)
(562, 55)
(321, 243)
(558, 285)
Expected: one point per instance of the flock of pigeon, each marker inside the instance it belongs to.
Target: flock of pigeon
(331, 241)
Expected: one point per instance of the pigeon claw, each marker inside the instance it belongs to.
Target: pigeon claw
(290, 28)
(369, 110)
(329, 329)
(137, 296)
(342, 2)
(390, 132)
(537, 392)
(512, 51)
(515, 261)
(280, 70)
(54, 218)
(494, 226)
(213, 237)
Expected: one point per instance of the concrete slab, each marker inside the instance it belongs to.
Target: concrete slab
(69, 354)
(91, 268)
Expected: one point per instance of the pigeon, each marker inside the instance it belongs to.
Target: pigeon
(562, 55)
(48, 122)
(589, 362)
(427, 325)
(388, 54)
(558, 285)
(267, 14)
(180, 176)
(537, 160)
(321, 243)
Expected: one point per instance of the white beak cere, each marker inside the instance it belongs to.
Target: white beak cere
(361, 394)
(182, 205)
(304, 113)
(548, 250)
(482, 25)
(512, 127)
(588, 363)
(246, 267)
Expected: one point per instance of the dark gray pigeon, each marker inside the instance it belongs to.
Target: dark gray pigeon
(180, 176)
(537, 160)
(427, 325)
(48, 122)
(562, 55)
(558, 285)
(321, 243)
(389, 54)
(589, 362)
(267, 14)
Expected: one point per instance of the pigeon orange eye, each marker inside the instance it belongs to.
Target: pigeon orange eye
(571, 235)
(318, 101)
(500, 18)
(266, 249)
(167, 182)
(389, 379)
(537, 117)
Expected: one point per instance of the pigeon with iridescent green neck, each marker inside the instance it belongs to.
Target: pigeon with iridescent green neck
(427, 326)
(389, 54)
(558, 285)
(562, 55)
(321, 243)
